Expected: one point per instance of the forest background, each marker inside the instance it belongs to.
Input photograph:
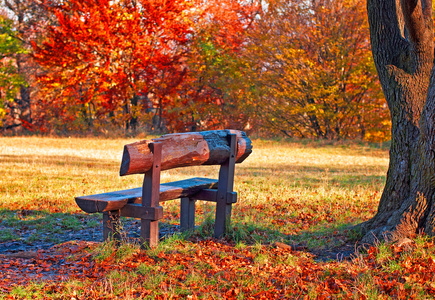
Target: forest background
(298, 68)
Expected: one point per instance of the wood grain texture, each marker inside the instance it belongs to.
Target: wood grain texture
(185, 149)
(168, 191)
(135, 210)
(187, 214)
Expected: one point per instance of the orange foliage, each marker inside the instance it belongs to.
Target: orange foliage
(304, 69)
(314, 72)
(210, 96)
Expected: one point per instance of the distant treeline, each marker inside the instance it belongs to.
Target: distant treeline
(298, 68)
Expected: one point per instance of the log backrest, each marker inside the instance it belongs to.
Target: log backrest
(185, 149)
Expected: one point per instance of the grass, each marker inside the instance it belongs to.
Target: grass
(304, 194)
(42, 226)
(297, 192)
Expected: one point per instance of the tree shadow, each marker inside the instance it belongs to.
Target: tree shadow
(338, 243)
(31, 230)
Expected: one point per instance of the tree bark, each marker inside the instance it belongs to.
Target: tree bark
(401, 33)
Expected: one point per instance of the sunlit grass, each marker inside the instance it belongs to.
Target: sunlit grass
(292, 191)
(305, 194)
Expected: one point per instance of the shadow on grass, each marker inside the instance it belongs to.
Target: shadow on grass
(336, 242)
(25, 230)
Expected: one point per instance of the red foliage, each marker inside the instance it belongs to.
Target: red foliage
(223, 271)
(133, 59)
(112, 54)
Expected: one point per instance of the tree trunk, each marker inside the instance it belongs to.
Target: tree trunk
(23, 103)
(402, 36)
(133, 120)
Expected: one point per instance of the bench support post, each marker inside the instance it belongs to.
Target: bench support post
(187, 214)
(225, 186)
(111, 226)
(149, 231)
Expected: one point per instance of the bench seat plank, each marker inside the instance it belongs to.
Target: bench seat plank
(168, 191)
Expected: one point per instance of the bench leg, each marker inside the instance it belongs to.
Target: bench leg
(223, 218)
(111, 226)
(225, 186)
(149, 233)
(187, 214)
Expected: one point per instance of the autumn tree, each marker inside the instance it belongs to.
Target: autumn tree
(115, 58)
(11, 81)
(212, 96)
(402, 42)
(139, 61)
(20, 20)
(312, 72)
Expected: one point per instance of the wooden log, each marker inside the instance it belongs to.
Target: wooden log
(168, 191)
(185, 149)
(135, 210)
(187, 214)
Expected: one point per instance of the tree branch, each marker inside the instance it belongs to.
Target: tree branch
(386, 31)
(427, 8)
(416, 14)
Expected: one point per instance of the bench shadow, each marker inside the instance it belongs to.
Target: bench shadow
(31, 230)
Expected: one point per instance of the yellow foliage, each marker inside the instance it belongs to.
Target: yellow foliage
(317, 67)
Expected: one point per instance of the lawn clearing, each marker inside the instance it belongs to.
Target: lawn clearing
(306, 195)
(295, 193)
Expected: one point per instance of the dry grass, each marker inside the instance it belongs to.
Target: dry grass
(301, 193)
(45, 173)
(307, 191)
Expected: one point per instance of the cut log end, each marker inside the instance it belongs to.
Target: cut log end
(125, 164)
(137, 158)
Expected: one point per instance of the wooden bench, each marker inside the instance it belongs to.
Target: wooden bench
(150, 157)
